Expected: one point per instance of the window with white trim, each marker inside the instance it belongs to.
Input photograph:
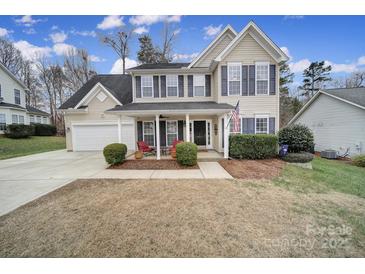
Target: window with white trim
(31, 119)
(44, 120)
(234, 78)
(2, 121)
(17, 96)
(149, 133)
(39, 119)
(199, 85)
(147, 86)
(172, 85)
(21, 119)
(261, 125)
(262, 78)
(14, 119)
(171, 132)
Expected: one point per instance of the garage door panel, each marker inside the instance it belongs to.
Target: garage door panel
(94, 137)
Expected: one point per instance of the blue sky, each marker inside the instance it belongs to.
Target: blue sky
(339, 40)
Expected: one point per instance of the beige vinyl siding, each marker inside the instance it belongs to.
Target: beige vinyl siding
(214, 52)
(335, 124)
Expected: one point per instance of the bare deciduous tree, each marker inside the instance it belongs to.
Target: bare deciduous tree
(168, 38)
(10, 56)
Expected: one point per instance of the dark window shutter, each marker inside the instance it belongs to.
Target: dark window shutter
(224, 77)
(163, 85)
(251, 80)
(244, 80)
(163, 133)
(181, 85)
(272, 79)
(207, 86)
(190, 86)
(222, 132)
(180, 130)
(248, 125)
(138, 86)
(156, 87)
(272, 125)
(139, 131)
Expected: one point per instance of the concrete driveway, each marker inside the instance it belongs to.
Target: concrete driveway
(24, 179)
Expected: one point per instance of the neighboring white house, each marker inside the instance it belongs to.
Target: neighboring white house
(337, 119)
(158, 103)
(13, 108)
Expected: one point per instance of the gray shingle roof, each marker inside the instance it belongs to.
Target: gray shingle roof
(354, 95)
(3, 104)
(117, 84)
(161, 66)
(172, 106)
(36, 111)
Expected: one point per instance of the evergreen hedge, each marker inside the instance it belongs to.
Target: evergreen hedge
(253, 146)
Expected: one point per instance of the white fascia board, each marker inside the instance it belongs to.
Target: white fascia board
(228, 27)
(92, 93)
(169, 70)
(171, 112)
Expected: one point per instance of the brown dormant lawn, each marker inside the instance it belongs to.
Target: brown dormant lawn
(182, 218)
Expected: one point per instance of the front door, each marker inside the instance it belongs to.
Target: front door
(200, 133)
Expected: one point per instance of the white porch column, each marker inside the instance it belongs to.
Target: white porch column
(158, 137)
(226, 139)
(187, 127)
(120, 129)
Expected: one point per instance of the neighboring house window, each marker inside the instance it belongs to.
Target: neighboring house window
(31, 119)
(171, 132)
(14, 119)
(44, 120)
(17, 96)
(2, 121)
(261, 125)
(262, 78)
(234, 78)
(39, 119)
(21, 119)
(149, 133)
(172, 84)
(147, 86)
(0, 90)
(199, 85)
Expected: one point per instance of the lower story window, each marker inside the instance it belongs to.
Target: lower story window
(149, 133)
(261, 125)
(44, 119)
(171, 132)
(21, 119)
(14, 119)
(39, 119)
(31, 119)
(2, 121)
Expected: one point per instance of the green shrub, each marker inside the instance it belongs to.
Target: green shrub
(44, 130)
(301, 157)
(187, 153)
(253, 146)
(359, 160)
(19, 131)
(115, 153)
(297, 137)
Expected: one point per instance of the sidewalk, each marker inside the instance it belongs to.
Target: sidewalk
(207, 170)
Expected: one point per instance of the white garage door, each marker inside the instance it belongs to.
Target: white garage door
(93, 137)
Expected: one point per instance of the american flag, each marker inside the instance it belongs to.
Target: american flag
(235, 118)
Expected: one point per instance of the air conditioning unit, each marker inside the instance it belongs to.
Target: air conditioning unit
(329, 154)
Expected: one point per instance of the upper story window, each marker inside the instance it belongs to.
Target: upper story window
(234, 78)
(199, 85)
(17, 96)
(147, 86)
(261, 124)
(172, 85)
(262, 78)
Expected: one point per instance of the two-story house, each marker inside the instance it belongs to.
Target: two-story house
(158, 103)
(13, 107)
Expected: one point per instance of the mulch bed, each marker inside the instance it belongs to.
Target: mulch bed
(151, 164)
(253, 169)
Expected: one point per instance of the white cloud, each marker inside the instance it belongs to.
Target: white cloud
(211, 31)
(58, 37)
(63, 49)
(185, 57)
(110, 22)
(28, 21)
(299, 66)
(295, 17)
(96, 59)
(153, 19)
(30, 31)
(286, 51)
(118, 65)
(54, 27)
(84, 33)
(4, 32)
(140, 30)
(32, 52)
(347, 68)
(361, 61)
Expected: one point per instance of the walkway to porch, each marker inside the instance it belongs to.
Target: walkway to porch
(203, 156)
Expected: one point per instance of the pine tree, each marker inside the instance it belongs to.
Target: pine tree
(286, 77)
(147, 53)
(314, 78)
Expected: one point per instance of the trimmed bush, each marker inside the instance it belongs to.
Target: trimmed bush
(44, 130)
(359, 160)
(187, 153)
(115, 153)
(19, 131)
(302, 157)
(253, 146)
(297, 137)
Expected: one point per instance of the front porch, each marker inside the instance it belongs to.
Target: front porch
(203, 156)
